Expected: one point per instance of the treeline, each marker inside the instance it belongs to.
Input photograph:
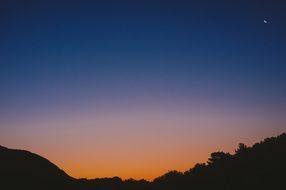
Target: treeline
(262, 166)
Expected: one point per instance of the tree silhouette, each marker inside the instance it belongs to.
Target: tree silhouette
(241, 148)
(218, 156)
(261, 166)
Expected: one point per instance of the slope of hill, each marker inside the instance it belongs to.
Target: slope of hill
(21, 169)
(262, 166)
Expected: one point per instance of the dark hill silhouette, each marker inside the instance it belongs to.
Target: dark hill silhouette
(262, 166)
(24, 170)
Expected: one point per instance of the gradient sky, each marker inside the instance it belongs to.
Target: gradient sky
(137, 88)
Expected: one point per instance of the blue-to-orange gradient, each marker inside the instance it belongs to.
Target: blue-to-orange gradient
(137, 88)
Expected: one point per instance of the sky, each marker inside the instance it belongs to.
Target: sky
(138, 88)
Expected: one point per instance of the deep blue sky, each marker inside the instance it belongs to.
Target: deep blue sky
(164, 45)
(67, 59)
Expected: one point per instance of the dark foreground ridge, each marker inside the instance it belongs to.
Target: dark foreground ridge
(262, 166)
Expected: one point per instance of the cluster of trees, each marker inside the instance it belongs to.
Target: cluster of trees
(261, 166)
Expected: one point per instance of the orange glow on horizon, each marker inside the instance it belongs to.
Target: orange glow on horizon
(138, 145)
